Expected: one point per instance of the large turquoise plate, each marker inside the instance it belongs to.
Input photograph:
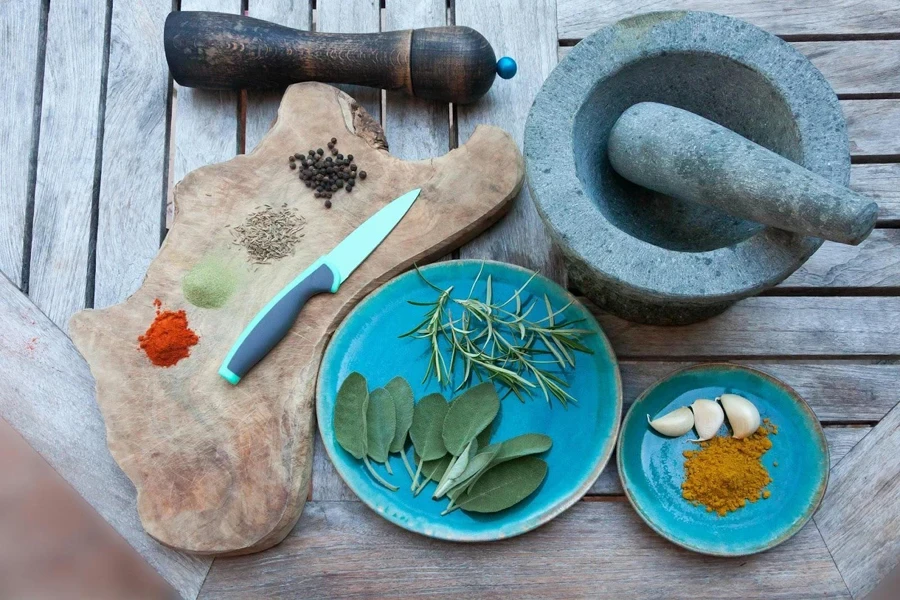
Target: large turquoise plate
(652, 466)
(583, 435)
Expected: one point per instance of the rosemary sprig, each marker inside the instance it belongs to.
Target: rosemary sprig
(499, 341)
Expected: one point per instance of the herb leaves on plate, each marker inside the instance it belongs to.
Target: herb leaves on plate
(497, 340)
(450, 442)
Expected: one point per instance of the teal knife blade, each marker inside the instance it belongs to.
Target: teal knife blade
(326, 274)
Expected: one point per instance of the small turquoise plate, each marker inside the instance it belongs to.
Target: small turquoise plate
(583, 434)
(651, 466)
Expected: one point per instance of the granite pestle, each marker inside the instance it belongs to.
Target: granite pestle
(688, 157)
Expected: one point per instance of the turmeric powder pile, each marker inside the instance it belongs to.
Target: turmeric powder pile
(725, 472)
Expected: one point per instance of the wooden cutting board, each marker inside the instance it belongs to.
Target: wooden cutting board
(223, 469)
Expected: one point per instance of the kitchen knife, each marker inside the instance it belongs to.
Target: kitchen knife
(326, 274)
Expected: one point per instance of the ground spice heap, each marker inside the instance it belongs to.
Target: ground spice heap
(209, 283)
(326, 174)
(168, 339)
(269, 234)
(725, 473)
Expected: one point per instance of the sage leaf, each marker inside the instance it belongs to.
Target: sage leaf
(484, 438)
(350, 415)
(456, 468)
(432, 470)
(380, 425)
(427, 423)
(468, 415)
(403, 410)
(477, 465)
(522, 445)
(504, 485)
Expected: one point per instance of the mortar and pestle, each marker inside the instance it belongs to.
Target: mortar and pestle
(683, 161)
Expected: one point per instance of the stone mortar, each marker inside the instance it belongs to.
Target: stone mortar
(642, 255)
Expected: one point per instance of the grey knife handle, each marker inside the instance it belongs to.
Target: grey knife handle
(274, 321)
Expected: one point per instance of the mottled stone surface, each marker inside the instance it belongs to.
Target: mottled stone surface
(683, 155)
(643, 255)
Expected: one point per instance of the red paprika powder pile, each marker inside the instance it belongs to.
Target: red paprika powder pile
(168, 339)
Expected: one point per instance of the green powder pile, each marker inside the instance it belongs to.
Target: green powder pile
(209, 284)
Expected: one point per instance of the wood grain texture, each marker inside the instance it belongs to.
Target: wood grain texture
(204, 122)
(874, 264)
(880, 181)
(359, 16)
(523, 29)
(860, 514)
(416, 129)
(594, 550)
(872, 126)
(769, 326)
(66, 163)
(840, 441)
(20, 45)
(48, 397)
(226, 469)
(837, 391)
(580, 18)
(262, 106)
(852, 67)
(133, 172)
(857, 66)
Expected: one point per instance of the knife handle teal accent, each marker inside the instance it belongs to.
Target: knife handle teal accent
(274, 321)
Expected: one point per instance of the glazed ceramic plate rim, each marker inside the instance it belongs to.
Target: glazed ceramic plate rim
(510, 529)
(801, 403)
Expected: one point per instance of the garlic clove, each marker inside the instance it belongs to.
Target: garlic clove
(742, 415)
(708, 417)
(678, 422)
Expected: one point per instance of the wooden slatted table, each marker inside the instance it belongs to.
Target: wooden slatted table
(95, 134)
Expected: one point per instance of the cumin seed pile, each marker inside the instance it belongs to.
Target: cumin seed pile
(269, 234)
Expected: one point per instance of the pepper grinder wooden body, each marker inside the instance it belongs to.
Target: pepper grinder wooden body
(222, 51)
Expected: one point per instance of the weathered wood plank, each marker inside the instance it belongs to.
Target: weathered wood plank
(262, 106)
(595, 550)
(359, 16)
(205, 122)
(769, 326)
(840, 441)
(580, 18)
(133, 183)
(838, 391)
(415, 128)
(67, 153)
(854, 67)
(48, 396)
(857, 66)
(882, 182)
(860, 514)
(524, 30)
(872, 126)
(20, 50)
(326, 483)
(875, 263)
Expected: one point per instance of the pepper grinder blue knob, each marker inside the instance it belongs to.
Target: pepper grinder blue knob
(506, 68)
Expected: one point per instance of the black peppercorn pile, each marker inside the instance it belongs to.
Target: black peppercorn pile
(326, 174)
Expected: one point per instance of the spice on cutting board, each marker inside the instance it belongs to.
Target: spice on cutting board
(168, 339)
(725, 472)
(269, 234)
(326, 175)
(209, 283)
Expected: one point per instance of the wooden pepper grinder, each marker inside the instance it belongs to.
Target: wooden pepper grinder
(224, 51)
